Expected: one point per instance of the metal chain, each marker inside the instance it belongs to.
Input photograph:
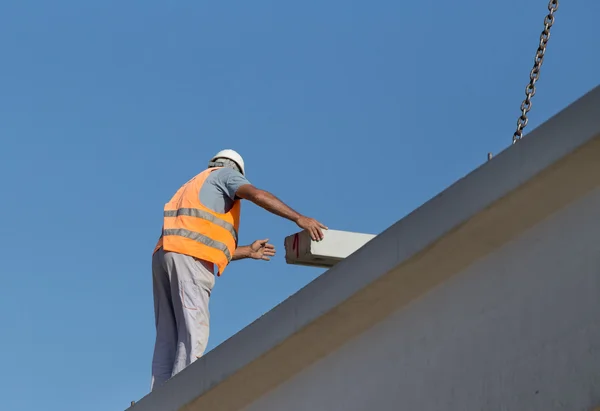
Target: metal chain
(535, 72)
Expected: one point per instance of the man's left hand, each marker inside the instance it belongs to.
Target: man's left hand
(262, 250)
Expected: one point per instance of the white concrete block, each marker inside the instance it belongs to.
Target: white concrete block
(300, 249)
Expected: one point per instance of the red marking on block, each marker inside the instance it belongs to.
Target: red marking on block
(296, 245)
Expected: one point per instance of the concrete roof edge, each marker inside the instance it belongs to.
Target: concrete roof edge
(413, 234)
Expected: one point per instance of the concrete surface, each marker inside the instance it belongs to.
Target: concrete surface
(518, 330)
(552, 167)
(336, 245)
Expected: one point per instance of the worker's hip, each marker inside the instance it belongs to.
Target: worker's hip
(187, 268)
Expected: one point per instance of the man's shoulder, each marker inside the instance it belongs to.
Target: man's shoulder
(226, 180)
(226, 174)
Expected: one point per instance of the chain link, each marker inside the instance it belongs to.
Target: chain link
(534, 75)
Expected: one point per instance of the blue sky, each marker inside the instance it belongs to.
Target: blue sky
(355, 113)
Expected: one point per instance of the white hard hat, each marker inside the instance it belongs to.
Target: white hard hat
(233, 156)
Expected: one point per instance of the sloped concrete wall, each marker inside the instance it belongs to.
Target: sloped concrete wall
(518, 330)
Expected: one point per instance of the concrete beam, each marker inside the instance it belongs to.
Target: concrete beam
(552, 166)
(336, 245)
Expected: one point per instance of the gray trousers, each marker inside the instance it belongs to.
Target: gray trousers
(182, 287)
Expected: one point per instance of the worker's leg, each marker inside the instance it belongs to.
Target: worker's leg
(165, 345)
(192, 281)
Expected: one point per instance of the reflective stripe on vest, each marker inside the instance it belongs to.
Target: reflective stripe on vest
(194, 212)
(200, 238)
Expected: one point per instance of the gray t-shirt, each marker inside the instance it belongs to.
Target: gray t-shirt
(218, 191)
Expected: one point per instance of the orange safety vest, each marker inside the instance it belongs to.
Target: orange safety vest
(191, 228)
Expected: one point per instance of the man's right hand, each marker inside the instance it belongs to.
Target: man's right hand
(312, 226)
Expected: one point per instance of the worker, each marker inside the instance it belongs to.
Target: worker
(200, 237)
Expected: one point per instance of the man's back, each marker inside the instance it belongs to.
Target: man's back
(218, 191)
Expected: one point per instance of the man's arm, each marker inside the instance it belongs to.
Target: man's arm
(267, 201)
(274, 205)
(241, 252)
(258, 250)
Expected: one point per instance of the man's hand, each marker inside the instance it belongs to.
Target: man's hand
(261, 250)
(312, 226)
